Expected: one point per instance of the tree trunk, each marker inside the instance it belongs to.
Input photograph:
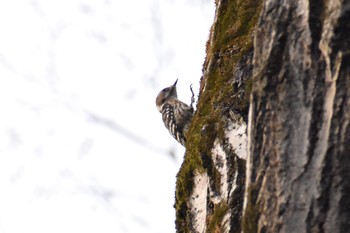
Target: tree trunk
(296, 77)
(299, 158)
(210, 183)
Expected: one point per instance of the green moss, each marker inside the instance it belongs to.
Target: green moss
(250, 219)
(215, 222)
(234, 26)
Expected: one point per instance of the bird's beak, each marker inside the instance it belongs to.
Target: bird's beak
(175, 83)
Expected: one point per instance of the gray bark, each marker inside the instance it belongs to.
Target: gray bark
(298, 168)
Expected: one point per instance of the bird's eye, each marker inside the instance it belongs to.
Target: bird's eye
(165, 89)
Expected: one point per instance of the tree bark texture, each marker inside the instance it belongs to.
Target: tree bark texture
(210, 183)
(298, 167)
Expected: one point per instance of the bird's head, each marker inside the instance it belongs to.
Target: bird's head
(166, 94)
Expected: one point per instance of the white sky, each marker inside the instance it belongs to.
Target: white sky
(82, 145)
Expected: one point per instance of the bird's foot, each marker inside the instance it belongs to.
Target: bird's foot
(192, 98)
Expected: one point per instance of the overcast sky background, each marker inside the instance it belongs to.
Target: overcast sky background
(82, 145)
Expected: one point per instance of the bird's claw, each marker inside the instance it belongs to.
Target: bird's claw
(192, 98)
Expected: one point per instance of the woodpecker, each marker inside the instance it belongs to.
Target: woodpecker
(176, 114)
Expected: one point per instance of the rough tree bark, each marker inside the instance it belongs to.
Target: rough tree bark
(296, 77)
(298, 168)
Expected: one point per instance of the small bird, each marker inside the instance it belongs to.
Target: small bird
(176, 115)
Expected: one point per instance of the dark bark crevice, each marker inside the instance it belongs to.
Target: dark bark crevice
(316, 11)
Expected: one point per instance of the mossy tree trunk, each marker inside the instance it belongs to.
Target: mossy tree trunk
(210, 183)
(292, 172)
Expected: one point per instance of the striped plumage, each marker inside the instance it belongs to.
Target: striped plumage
(176, 114)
